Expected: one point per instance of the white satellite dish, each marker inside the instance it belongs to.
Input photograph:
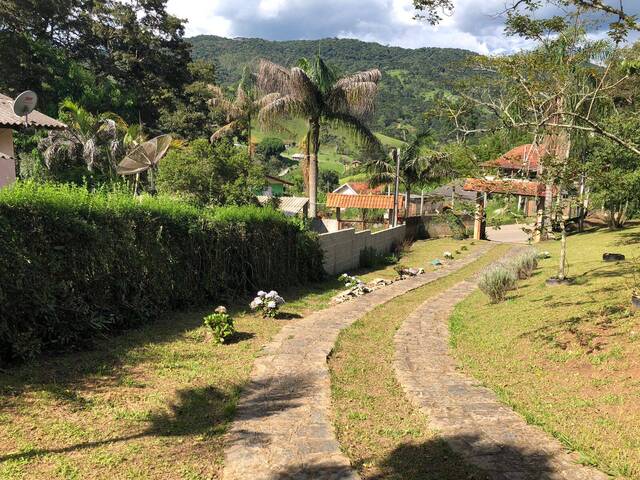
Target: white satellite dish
(24, 104)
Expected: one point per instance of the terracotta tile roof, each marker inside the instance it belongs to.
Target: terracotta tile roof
(514, 187)
(10, 119)
(336, 200)
(524, 157)
(363, 188)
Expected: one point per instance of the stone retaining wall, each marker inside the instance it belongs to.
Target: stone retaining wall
(342, 249)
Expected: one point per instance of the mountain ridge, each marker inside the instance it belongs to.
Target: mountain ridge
(412, 80)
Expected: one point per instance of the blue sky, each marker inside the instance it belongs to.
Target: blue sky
(475, 25)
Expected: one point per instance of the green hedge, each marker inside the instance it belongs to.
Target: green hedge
(75, 264)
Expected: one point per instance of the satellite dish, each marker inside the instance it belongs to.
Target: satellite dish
(24, 104)
(144, 156)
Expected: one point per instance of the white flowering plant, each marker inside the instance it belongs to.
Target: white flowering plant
(448, 255)
(349, 281)
(267, 303)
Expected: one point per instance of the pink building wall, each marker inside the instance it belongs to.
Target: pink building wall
(7, 165)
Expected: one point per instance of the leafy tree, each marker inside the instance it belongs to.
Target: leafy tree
(191, 114)
(312, 91)
(614, 174)
(206, 174)
(132, 51)
(329, 181)
(270, 147)
(420, 165)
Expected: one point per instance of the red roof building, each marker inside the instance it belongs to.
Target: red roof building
(336, 200)
(525, 158)
(512, 187)
(359, 188)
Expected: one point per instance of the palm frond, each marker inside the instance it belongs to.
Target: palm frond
(367, 76)
(302, 88)
(225, 131)
(357, 129)
(267, 99)
(357, 99)
(280, 109)
(273, 78)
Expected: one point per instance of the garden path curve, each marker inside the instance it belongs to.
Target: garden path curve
(282, 428)
(469, 417)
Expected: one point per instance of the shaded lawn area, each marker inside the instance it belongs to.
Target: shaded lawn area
(151, 403)
(567, 358)
(378, 428)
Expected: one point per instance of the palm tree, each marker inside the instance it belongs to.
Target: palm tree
(240, 111)
(92, 137)
(420, 165)
(314, 92)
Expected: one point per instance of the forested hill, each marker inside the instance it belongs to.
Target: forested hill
(411, 78)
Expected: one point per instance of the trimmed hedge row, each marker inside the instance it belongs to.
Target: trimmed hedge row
(74, 264)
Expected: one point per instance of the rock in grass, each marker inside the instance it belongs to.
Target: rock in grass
(613, 257)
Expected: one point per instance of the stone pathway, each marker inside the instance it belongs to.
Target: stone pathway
(469, 417)
(282, 428)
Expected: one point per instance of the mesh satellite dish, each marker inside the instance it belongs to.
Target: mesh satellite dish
(145, 156)
(24, 104)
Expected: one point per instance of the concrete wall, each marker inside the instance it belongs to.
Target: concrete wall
(342, 249)
(434, 226)
(7, 167)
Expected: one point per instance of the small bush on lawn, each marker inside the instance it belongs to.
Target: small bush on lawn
(221, 325)
(496, 281)
(75, 264)
(525, 263)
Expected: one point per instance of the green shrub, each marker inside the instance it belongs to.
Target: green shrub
(456, 225)
(76, 264)
(221, 325)
(496, 281)
(524, 264)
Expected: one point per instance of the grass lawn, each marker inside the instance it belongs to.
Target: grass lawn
(378, 428)
(567, 358)
(151, 403)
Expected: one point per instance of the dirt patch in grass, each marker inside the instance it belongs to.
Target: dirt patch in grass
(567, 358)
(152, 403)
(378, 428)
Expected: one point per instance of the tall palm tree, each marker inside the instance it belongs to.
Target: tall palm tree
(314, 92)
(420, 165)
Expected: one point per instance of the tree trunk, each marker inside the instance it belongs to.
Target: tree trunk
(562, 272)
(314, 129)
(407, 203)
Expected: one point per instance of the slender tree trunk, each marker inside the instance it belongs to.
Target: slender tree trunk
(249, 138)
(407, 203)
(314, 148)
(562, 273)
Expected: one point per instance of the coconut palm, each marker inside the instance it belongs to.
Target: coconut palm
(92, 137)
(314, 92)
(420, 165)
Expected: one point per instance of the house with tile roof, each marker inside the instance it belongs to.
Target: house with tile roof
(9, 122)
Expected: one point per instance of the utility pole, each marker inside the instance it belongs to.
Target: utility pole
(395, 154)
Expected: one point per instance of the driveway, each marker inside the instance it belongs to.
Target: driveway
(508, 234)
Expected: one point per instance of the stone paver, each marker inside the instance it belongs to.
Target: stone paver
(469, 417)
(282, 428)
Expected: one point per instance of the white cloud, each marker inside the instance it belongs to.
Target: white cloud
(475, 24)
